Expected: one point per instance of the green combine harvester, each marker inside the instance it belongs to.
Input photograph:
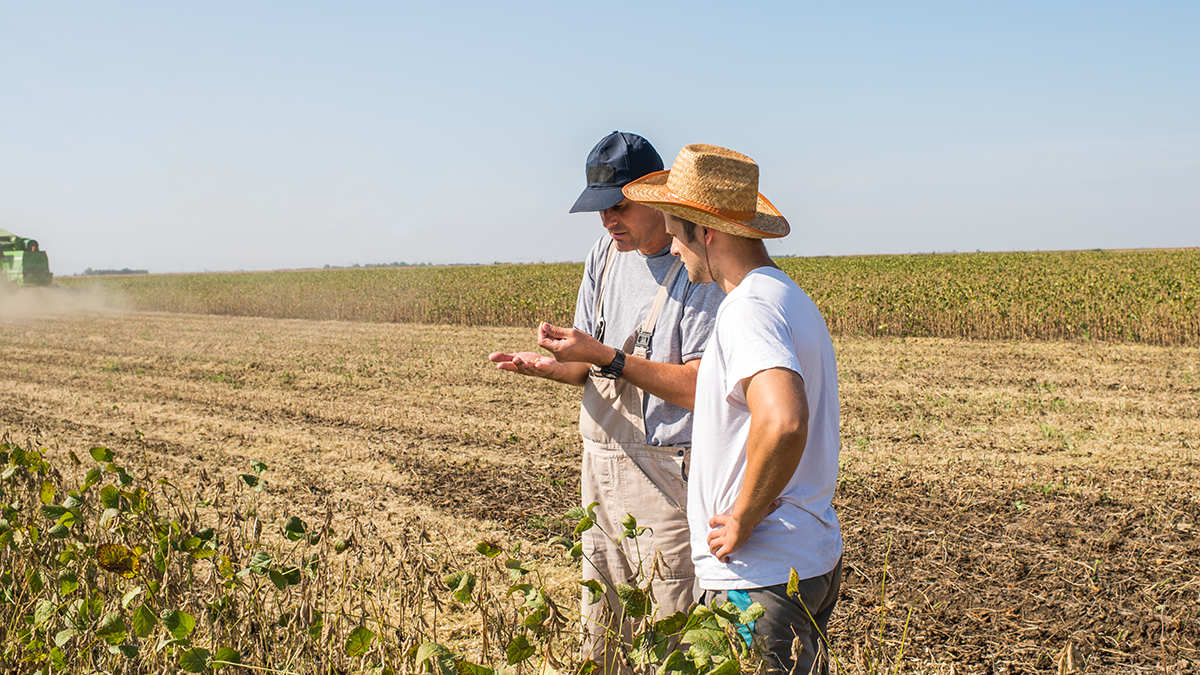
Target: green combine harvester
(23, 262)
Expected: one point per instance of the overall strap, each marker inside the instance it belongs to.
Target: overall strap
(646, 330)
(612, 253)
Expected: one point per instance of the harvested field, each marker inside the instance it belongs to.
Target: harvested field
(1022, 497)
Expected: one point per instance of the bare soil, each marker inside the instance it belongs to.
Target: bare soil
(1020, 497)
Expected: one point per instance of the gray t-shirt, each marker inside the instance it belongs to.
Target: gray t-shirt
(680, 335)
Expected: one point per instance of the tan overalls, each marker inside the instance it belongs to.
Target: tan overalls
(625, 475)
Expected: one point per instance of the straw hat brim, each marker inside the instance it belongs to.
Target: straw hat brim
(651, 190)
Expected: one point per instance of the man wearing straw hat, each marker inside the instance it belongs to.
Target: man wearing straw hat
(640, 330)
(765, 449)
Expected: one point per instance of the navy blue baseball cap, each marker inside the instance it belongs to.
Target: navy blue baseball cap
(618, 159)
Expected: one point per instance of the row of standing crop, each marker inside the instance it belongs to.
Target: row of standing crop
(1149, 297)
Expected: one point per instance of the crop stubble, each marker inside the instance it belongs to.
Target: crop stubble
(1031, 494)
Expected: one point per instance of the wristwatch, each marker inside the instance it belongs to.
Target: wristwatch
(613, 370)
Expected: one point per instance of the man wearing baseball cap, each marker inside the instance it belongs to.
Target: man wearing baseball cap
(640, 330)
(765, 454)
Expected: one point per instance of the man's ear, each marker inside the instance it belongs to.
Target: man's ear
(707, 236)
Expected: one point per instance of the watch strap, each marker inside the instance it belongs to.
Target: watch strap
(613, 370)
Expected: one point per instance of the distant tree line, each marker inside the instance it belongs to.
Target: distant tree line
(124, 270)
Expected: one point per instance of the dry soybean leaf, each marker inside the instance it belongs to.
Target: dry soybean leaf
(117, 559)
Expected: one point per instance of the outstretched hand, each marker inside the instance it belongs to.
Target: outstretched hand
(525, 363)
(573, 345)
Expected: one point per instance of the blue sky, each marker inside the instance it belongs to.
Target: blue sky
(221, 136)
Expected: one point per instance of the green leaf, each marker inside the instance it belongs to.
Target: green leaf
(672, 624)
(226, 656)
(465, 667)
(584, 525)
(753, 613)
(704, 642)
(292, 575)
(258, 467)
(516, 569)
(67, 583)
(359, 641)
(596, 588)
(462, 583)
(676, 662)
(445, 665)
(102, 455)
(575, 512)
(249, 479)
(314, 631)
(577, 551)
(260, 562)
(633, 600)
(178, 624)
(518, 650)
(537, 617)
(294, 529)
(47, 493)
(93, 477)
(278, 579)
(143, 621)
(64, 636)
(67, 519)
(110, 497)
(728, 611)
(45, 609)
(793, 584)
(195, 660)
(53, 511)
(111, 629)
(128, 651)
(649, 647)
(729, 667)
(430, 649)
(35, 580)
(488, 549)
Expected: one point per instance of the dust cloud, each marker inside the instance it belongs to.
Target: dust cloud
(19, 302)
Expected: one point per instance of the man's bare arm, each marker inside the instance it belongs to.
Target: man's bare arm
(533, 364)
(673, 383)
(778, 434)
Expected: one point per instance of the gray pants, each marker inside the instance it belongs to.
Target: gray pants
(786, 622)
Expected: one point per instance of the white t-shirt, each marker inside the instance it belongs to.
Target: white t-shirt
(766, 322)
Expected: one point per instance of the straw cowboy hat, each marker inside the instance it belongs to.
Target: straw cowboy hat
(712, 187)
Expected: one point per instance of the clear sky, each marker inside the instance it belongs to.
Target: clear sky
(265, 135)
